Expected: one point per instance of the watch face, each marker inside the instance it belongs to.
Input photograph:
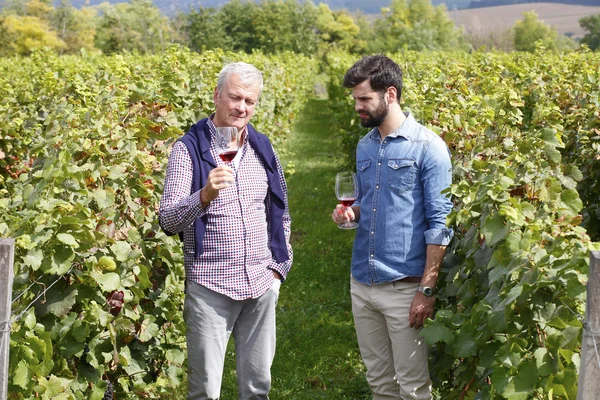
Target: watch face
(427, 291)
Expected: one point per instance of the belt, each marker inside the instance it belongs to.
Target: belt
(411, 279)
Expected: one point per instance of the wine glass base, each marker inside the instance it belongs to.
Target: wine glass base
(348, 225)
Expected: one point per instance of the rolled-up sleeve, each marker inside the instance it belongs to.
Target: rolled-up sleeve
(436, 178)
(178, 207)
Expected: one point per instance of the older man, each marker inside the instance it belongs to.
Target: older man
(235, 225)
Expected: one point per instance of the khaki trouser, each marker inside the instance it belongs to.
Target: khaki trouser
(393, 352)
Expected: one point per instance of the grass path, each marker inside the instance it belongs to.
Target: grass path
(317, 354)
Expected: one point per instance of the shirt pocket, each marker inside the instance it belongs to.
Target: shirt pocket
(363, 169)
(401, 174)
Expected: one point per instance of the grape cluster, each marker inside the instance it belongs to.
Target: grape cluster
(109, 393)
(115, 301)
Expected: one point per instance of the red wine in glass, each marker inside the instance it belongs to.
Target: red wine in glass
(228, 156)
(227, 142)
(347, 202)
(346, 191)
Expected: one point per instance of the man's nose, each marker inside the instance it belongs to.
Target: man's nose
(241, 106)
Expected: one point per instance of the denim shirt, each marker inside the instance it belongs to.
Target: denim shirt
(402, 209)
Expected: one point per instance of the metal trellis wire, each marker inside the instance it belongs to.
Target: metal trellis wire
(42, 293)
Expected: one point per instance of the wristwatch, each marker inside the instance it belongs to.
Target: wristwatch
(426, 290)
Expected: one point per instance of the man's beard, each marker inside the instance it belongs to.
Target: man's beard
(376, 117)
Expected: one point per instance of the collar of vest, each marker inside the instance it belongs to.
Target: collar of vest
(257, 140)
(198, 141)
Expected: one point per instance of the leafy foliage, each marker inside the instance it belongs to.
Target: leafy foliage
(75, 27)
(338, 29)
(520, 128)
(414, 25)
(591, 24)
(35, 24)
(273, 26)
(135, 26)
(22, 34)
(530, 30)
(83, 149)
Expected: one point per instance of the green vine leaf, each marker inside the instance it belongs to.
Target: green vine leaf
(464, 344)
(121, 249)
(570, 203)
(434, 333)
(108, 282)
(22, 376)
(149, 329)
(494, 229)
(34, 259)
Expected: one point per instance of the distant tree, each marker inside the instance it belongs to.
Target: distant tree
(530, 29)
(136, 26)
(339, 29)
(281, 25)
(591, 24)
(31, 24)
(271, 26)
(76, 28)
(14, 7)
(24, 27)
(204, 30)
(23, 34)
(237, 18)
(5, 39)
(366, 34)
(39, 8)
(415, 25)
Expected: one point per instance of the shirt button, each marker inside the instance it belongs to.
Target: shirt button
(372, 233)
(374, 209)
(377, 187)
(378, 163)
(372, 256)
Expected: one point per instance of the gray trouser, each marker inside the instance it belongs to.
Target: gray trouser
(211, 318)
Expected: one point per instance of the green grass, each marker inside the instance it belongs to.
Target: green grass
(317, 353)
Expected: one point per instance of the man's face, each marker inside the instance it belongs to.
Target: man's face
(235, 104)
(371, 106)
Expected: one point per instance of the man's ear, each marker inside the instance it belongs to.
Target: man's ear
(391, 94)
(215, 95)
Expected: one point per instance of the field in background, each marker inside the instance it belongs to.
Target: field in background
(564, 17)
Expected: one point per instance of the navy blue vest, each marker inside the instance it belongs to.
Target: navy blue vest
(197, 141)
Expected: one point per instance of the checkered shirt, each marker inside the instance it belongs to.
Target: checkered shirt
(237, 260)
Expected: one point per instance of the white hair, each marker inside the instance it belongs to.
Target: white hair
(246, 73)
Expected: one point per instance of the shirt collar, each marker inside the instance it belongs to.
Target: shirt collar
(405, 129)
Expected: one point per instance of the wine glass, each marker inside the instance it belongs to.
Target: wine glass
(346, 190)
(227, 142)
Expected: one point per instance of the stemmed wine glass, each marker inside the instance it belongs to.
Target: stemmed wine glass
(346, 190)
(227, 142)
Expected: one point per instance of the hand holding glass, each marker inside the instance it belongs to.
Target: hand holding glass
(227, 142)
(346, 190)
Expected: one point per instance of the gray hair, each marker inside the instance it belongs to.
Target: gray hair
(247, 74)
